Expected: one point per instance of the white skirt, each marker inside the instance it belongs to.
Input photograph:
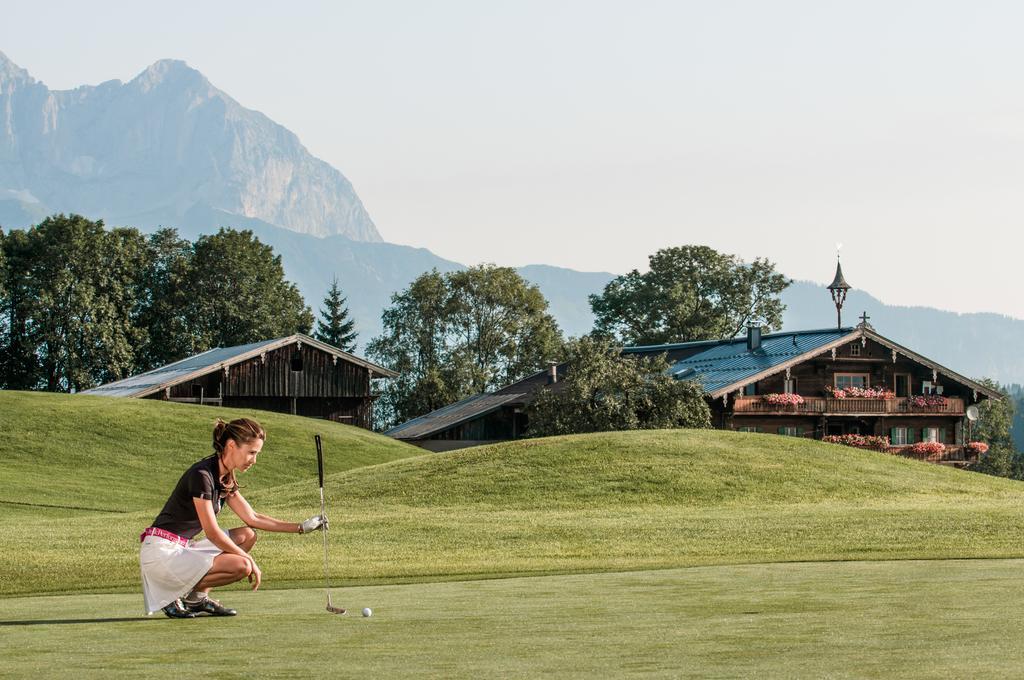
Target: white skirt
(170, 569)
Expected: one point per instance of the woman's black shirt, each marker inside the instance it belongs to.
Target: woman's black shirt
(202, 480)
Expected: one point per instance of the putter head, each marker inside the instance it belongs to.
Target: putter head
(335, 610)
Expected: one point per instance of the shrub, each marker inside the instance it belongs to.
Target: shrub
(860, 441)
(605, 390)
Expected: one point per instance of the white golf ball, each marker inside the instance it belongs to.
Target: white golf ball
(367, 611)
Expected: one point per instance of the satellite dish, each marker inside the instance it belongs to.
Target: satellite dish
(972, 413)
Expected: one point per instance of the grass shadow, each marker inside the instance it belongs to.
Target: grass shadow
(60, 622)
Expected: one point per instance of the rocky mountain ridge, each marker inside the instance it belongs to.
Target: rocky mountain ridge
(147, 151)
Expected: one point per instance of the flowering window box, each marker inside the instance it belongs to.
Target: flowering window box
(860, 393)
(926, 402)
(976, 448)
(789, 401)
(860, 441)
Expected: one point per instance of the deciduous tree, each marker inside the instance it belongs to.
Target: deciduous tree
(234, 292)
(690, 293)
(453, 335)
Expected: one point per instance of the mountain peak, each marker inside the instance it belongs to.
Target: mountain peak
(9, 71)
(167, 71)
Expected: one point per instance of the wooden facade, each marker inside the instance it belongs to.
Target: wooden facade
(903, 416)
(297, 375)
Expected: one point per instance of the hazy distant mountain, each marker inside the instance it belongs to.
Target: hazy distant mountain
(148, 151)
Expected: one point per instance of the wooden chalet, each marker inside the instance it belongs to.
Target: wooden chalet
(846, 381)
(816, 383)
(295, 374)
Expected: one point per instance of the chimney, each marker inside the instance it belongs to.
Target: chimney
(552, 373)
(753, 337)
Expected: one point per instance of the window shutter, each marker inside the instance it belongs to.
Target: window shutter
(941, 435)
(799, 432)
(892, 435)
(911, 434)
(782, 430)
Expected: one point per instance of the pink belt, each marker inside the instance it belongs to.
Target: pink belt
(161, 533)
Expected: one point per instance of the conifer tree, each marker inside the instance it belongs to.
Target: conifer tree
(334, 326)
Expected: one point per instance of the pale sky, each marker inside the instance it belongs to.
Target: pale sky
(589, 134)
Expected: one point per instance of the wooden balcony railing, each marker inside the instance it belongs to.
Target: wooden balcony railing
(952, 406)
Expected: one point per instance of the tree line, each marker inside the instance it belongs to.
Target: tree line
(82, 305)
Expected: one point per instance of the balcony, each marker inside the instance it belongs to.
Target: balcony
(953, 406)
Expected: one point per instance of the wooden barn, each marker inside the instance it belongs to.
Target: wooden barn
(296, 374)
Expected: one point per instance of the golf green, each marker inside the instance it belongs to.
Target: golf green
(903, 619)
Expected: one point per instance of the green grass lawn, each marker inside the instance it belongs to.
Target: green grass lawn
(841, 620)
(628, 538)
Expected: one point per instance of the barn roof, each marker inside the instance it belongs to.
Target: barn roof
(145, 384)
(449, 416)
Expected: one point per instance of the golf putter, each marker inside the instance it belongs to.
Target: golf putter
(320, 472)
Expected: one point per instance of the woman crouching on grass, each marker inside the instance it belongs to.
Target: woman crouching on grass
(178, 572)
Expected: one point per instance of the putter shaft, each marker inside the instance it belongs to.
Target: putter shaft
(323, 513)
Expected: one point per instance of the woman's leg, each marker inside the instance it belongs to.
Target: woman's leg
(227, 567)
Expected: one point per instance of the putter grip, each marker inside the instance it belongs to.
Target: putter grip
(320, 461)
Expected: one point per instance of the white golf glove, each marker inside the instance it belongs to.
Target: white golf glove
(313, 523)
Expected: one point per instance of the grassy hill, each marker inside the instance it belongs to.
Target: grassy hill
(604, 502)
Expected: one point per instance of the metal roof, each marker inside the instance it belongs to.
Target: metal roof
(839, 282)
(729, 362)
(449, 416)
(147, 383)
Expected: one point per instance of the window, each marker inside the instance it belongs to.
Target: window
(854, 349)
(927, 387)
(901, 385)
(933, 434)
(847, 380)
(789, 386)
(899, 436)
(748, 428)
(790, 430)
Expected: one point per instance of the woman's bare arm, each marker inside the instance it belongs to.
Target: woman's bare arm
(241, 507)
(219, 537)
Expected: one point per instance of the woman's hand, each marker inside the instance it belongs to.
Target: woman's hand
(255, 576)
(313, 523)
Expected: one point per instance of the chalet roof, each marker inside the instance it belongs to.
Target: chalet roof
(145, 384)
(449, 416)
(726, 366)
